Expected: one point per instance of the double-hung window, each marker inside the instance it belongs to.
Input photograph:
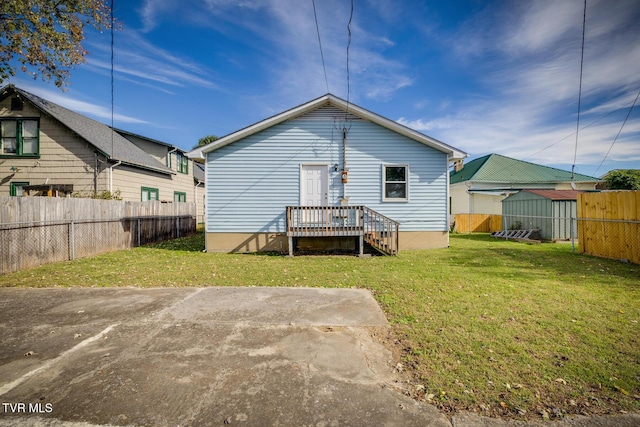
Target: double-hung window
(183, 163)
(179, 196)
(149, 194)
(19, 137)
(395, 183)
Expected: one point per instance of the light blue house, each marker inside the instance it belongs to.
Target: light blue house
(326, 175)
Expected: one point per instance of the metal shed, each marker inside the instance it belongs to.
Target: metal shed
(549, 211)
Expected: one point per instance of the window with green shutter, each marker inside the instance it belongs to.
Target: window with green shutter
(183, 163)
(19, 137)
(149, 194)
(179, 196)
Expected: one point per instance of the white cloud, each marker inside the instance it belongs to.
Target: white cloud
(138, 59)
(83, 107)
(284, 31)
(533, 81)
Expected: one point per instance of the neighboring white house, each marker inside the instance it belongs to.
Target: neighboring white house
(353, 166)
(479, 186)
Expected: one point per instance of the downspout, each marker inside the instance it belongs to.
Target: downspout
(344, 176)
(111, 175)
(169, 156)
(195, 197)
(206, 202)
(95, 174)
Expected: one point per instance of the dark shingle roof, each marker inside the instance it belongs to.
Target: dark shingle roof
(497, 168)
(101, 136)
(198, 171)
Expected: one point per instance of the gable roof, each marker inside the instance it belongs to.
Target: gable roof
(127, 135)
(109, 142)
(329, 100)
(497, 168)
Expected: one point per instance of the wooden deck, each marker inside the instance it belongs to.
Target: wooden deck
(368, 225)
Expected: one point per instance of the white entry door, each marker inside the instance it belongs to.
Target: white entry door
(315, 185)
(314, 191)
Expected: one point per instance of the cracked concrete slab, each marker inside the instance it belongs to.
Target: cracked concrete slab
(205, 357)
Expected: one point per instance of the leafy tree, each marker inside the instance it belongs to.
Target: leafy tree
(623, 179)
(206, 140)
(45, 36)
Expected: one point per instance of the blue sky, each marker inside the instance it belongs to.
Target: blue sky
(483, 76)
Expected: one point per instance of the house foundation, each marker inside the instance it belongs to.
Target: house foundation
(277, 242)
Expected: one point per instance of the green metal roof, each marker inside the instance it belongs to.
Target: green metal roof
(497, 168)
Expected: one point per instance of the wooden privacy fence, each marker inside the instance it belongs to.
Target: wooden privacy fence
(41, 230)
(609, 224)
(478, 223)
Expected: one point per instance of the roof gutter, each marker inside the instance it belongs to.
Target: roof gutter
(169, 156)
(111, 175)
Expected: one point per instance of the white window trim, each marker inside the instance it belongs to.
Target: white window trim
(384, 181)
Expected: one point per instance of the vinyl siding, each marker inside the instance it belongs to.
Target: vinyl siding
(250, 181)
(129, 181)
(64, 158)
(459, 199)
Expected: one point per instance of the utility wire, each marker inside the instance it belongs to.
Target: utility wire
(575, 151)
(315, 15)
(348, 45)
(616, 138)
(112, 131)
(572, 133)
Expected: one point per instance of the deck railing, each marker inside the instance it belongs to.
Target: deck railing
(321, 221)
(370, 226)
(381, 232)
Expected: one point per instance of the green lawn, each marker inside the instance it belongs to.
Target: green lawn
(502, 328)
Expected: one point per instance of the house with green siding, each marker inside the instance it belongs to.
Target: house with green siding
(326, 174)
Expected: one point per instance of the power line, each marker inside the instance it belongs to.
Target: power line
(112, 131)
(315, 15)
(575, 151)
(572, 133)
(616, 138)
(348, 45)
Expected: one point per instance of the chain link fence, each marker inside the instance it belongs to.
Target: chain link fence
(608, 238)
(30, 244)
